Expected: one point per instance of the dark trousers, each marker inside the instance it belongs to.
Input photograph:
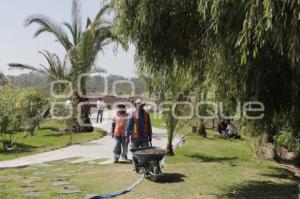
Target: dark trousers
(99, 114)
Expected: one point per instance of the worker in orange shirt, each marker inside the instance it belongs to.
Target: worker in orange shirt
(118, 133)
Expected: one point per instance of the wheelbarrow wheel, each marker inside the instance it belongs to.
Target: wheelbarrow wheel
(155, 173)
(141, 170)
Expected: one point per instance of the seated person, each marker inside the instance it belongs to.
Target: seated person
(231, 130)
(222, 126)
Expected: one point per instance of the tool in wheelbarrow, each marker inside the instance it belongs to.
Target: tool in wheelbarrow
(148, 161)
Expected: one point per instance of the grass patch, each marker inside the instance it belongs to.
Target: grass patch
(221, 168)
(205, 168)
(156, 120)
(45, 139)
(52, 180)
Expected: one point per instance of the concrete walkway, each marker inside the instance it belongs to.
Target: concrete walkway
(100, 150)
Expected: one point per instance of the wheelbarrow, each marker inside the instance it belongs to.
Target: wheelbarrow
(148, 160)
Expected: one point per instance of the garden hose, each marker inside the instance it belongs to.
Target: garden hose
(114, 194)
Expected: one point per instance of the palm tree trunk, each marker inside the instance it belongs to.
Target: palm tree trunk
(85, 110)
(73, 124)
(169, 148)
(85, 118)
(171, 126)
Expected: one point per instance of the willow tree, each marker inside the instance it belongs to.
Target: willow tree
(163, 45)
(82, 45)
(258, 51)
(246, 50)
(166, 33)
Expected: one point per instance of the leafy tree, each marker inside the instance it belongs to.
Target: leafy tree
(166, 33)
(35, 105)
(3, 79)
(11, 112)
(256, 55)
(246, 50)
(30, 79)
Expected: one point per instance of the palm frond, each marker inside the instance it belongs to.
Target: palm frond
(56, 68)
(76, 21)
(49, 57)
(66, 64)
(88, 22)
(70, 28)
(25, 67)
(104, 28)
(102, 12)
(96, 36)
(48, 25)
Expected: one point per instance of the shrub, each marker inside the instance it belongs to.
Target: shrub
(11, 112)
(286, 139)
(34, 104)
(297, 154)
(261, 148)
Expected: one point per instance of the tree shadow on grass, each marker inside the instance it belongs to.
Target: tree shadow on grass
(49, 128)
(171, 178)
(129, 162)
(56, 134)
(262, 190)
(229, 139)
(19, 148)
(206, 158)
(281, 173)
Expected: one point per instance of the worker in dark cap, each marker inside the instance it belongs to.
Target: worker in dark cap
(139, 129)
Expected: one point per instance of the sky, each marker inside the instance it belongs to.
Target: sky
(17, 44)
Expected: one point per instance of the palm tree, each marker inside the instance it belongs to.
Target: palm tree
(56, 69)
(81, 46)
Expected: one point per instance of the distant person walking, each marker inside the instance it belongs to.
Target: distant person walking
(100, 108)
(118, 133)
(139, 129)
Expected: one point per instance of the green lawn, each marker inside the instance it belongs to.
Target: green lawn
(211, 168)
(156, 120)
(45, 139)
